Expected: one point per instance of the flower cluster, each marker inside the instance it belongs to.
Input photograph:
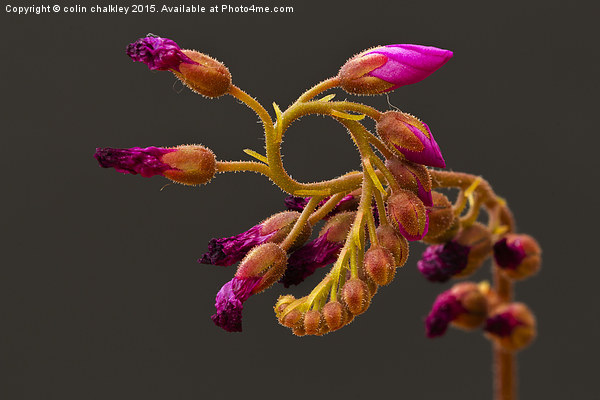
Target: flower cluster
(365, 219)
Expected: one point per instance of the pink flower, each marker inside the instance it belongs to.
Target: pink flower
(408, 63)
(158, 53)
(386, 68)
(186, 164)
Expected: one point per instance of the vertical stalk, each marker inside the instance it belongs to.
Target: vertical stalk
(505, 363)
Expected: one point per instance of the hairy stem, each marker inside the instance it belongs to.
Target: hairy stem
(299, 225)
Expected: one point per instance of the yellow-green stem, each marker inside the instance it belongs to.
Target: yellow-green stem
(255, 106)
(300, 223)
(319, 88)
(325, 208)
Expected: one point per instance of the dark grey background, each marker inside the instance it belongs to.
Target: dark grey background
(100, 292)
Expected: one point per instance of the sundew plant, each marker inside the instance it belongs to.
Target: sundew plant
(363, 221)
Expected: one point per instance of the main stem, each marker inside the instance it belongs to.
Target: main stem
(505, 363)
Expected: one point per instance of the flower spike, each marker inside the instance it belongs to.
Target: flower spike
(369, 216)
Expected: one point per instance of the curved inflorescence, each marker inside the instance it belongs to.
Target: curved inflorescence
(368, 217)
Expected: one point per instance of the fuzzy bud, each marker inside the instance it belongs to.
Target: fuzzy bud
(267, 261)
(187, 164)
(408, 213)
(473, 301)
(193, 165)
(413, 177)
(229, 250)
(338, 226)
(291, 319)
(380, 265)
(512, 326)
(281, 224)
(384, 68)
(356, 296)
(395, 243)
(199, 72)
(519, 256)
(464, 305)
(313, 321)
(207, 76)
(441, 219)
(410, 138)
(283, 302)
(335, 315)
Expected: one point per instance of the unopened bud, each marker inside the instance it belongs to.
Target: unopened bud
(408, 214)
(395, 243)
(356, 296)
(282, 303)
(338, 226)
(291, 319)
(207, 77)
(281, 225)
(384, 68)
(408, 137)
(189, 164)
(518, 255)
(512, 325)
(473, 301)
(335, 315)
(441, 218)
(413, 177)
(464, 305)
(193, 165)
(266, 261)
(380, 265)
(312, 322)
(199, 72)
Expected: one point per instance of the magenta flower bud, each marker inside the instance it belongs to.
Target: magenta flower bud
(519, 256)
(512, 325)
(319, 252)
(229, 250)
(199, 72)
(158, 53)
(144, 161)
(463, 306)
(441, 262)
(230, 302)
(413, 177)
(408, 214)
(386, 68)
(445, 309)
(262, 267)
(189, 164)
(267, 261)
(410, 138)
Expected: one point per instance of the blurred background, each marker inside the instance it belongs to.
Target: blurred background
(100, 292)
